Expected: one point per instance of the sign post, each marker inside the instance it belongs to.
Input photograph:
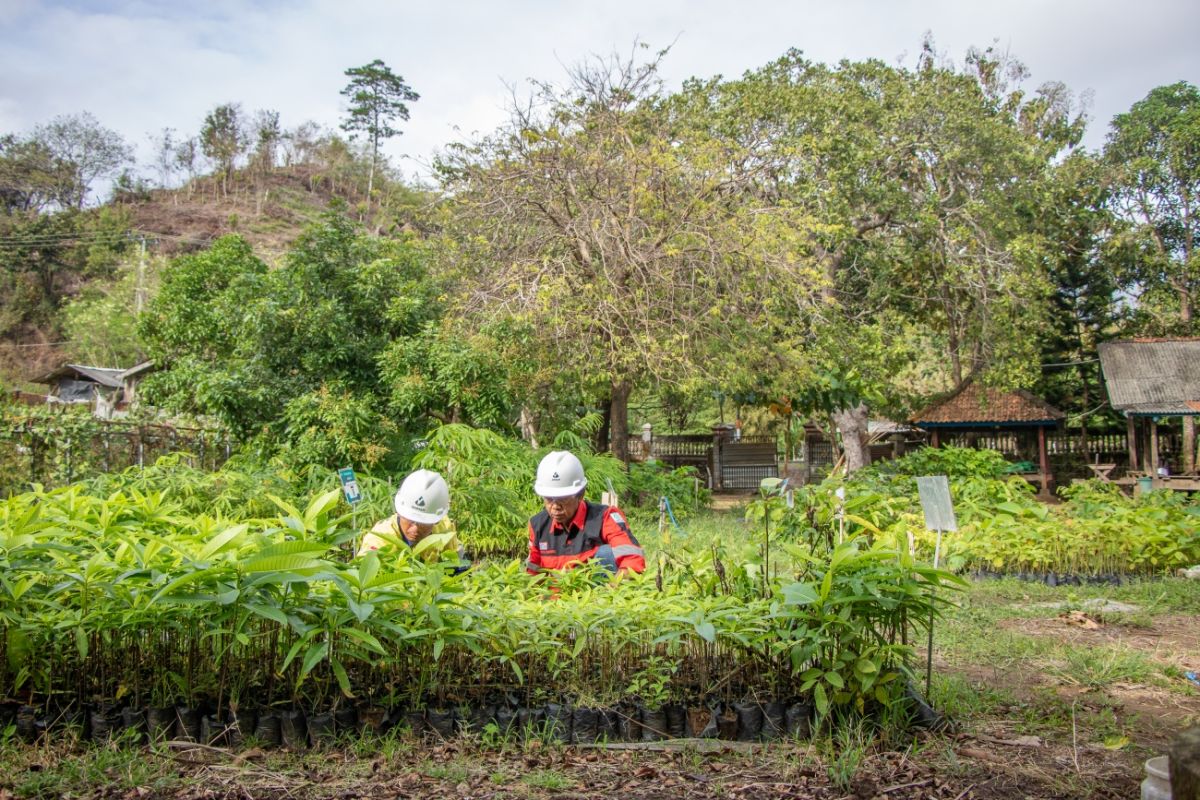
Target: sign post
(939, 516)
(353, 493)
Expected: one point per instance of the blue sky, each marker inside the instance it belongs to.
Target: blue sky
(141, 66)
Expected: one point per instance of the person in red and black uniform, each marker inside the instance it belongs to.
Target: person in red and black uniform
(570, 531)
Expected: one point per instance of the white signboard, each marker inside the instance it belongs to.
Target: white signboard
(935, 501)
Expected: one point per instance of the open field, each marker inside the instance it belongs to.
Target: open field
(1053, 696)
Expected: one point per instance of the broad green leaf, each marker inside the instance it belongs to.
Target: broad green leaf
(799, 594)
(315, 654)
(342, 678)
(821, 699)
(222, 539)
(283, 563)
(269, 612)
(365, 638)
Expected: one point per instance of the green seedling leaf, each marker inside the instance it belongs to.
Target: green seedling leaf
(284, 563)
(366, 639)
(799, 594)
(316, 653)
(292, 548)
(821, 699)
(268, 612)
(321, 505)
(360, 610)
(340, 673)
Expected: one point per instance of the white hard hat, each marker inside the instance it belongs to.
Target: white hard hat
(423, 498)
(559, 475)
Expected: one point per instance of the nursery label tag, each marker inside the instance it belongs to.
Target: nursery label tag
(350, 485)
(935, 501)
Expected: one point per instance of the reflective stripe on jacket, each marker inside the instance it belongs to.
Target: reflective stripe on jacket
(552, 546)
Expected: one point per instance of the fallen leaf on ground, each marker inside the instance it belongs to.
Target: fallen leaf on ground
(1080, 619)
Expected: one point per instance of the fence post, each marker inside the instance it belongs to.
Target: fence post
(718, 481)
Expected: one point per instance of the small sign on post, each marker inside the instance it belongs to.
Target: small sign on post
(935, 501)
(353, 495)
(939, 516)
(350, 485)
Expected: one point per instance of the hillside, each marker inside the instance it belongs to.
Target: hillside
(269, 210)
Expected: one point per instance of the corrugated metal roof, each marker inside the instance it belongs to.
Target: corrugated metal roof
(983, 405)
(104, 376)
(1158, 376)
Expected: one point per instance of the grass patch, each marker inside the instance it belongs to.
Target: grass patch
(1012, 597)
(452, 771)
(1099, 667)
(53, 771)
(964, 701)
(548, 779)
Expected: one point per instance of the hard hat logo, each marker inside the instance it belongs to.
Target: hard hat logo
(420, 502)
(554, 477)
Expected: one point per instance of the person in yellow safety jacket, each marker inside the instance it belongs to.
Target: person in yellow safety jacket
(421, 521)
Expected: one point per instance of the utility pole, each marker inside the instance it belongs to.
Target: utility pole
(139, 294)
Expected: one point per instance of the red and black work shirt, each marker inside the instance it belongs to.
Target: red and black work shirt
(553, 546)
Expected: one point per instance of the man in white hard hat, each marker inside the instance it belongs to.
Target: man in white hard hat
(570, 531)
(421, 521)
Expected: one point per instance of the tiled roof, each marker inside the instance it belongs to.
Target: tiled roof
(977, 404)
(1152, 376)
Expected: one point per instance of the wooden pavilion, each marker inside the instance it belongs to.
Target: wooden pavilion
(1149, 381)
(977, 414)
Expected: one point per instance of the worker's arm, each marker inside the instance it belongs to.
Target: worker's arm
(626, 550)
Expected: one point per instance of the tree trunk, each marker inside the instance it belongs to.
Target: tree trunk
(852, 424)
(601, 435)
(619, 422)
(528, 429)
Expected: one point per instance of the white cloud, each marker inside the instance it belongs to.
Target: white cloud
(140, 65)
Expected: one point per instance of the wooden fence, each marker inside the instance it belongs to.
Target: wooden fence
(1069, 453)
(54, 455)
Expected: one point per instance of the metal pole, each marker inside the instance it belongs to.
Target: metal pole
(937, 550)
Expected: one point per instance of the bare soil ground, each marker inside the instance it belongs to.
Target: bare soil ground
(954, 768)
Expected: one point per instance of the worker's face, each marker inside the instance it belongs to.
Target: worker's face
(414, 531)
(561, 509)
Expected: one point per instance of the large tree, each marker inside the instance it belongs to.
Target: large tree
(90, 150)
(378, 97)
(223, 139)
(1154, 151)
(621, 233)
(292, 352)
(1075, 224)
(919, 187)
